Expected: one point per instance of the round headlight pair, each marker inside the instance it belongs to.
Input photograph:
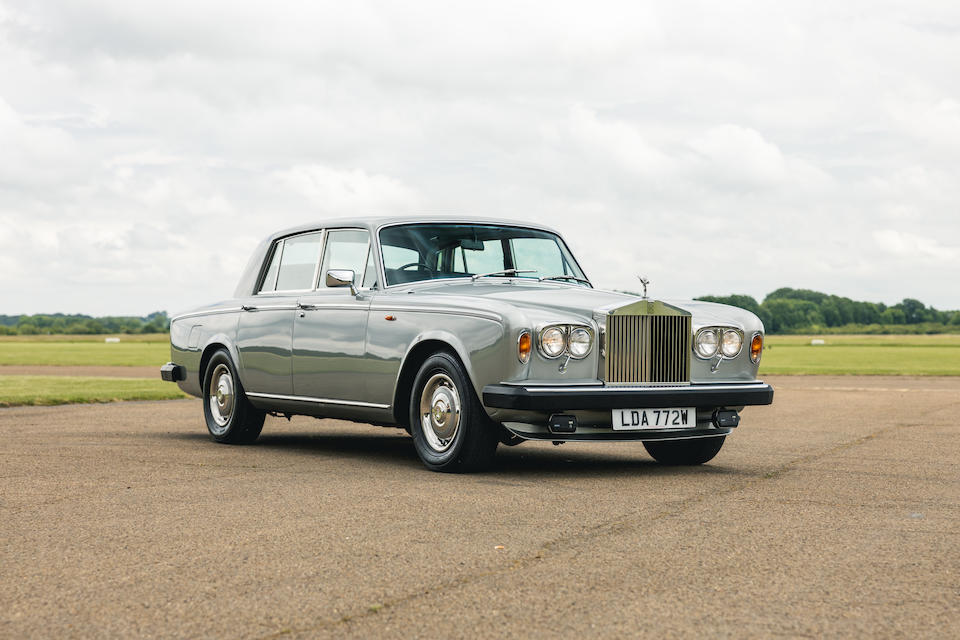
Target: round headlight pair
(576, 341)
(711, 340)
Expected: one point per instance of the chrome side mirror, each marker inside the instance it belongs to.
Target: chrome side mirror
(341, 278)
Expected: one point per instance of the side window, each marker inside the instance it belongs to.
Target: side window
(346, 249)
(299, 262)
(270, 280)
(370, 275)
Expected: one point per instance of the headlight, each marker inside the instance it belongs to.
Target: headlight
(552, 342)
(579, 343)
(707, 342)
(731, 343)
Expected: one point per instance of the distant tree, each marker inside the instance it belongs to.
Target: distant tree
(893, 315)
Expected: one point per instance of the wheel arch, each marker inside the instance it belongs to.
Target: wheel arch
(416, 355)
(214, 344)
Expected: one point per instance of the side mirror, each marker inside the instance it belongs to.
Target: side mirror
(341, 278)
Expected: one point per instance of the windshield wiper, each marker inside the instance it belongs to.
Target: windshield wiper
(502, 272)
(563, 277)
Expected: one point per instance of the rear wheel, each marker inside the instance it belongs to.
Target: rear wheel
(685, 452)
(229, 415)
(451, 431)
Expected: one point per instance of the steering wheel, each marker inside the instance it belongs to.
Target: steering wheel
(415, 264)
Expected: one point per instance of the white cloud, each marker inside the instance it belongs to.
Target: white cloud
(913, 247)
(143, 153)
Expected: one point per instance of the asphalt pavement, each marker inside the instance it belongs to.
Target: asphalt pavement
(833, 512)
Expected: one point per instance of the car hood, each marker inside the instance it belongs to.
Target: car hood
(568, 299)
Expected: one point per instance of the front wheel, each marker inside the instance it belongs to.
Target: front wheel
(229, 415)
(685, 452)
(451, 431)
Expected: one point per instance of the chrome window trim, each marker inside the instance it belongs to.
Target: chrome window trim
(323, 251)
(352, 403)
(265, 267)
(387, 225)
(282, 244)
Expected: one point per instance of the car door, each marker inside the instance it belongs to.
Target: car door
(329, 335)
(265, 327)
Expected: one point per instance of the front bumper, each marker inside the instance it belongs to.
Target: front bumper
(589, 397)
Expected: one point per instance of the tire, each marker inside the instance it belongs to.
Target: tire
(685, 452)
(230, 417)
(446, 439)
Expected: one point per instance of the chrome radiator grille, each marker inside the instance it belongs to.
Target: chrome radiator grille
(648, 349)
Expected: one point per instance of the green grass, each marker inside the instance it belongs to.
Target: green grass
(85, 353)
(56, 337)
(51, 390)
(916, 355)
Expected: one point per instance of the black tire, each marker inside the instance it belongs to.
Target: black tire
(685, 452)
(469, 443)
(230, 417)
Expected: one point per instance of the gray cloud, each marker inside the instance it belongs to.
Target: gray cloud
(731, 148)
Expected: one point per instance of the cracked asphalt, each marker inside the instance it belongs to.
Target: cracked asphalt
(833, 512)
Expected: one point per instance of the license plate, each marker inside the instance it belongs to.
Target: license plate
(633, 419)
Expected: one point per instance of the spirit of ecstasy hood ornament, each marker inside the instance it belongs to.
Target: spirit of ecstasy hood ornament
(644, 282)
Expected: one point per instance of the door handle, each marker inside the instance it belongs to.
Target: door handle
(248, 307)
(306, 307)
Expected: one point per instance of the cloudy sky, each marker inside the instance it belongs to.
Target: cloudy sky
(717, 148)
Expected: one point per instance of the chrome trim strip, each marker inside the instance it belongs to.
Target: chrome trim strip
(693, 388)
(352, 403)
(211, 312)
(448, 310)
(271, 307)
(311, 306)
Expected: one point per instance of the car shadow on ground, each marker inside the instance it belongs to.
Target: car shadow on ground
(525, 460)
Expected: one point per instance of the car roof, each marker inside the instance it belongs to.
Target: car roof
(375, 222)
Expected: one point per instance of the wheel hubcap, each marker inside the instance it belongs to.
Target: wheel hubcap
(221, 398)
(440, 412)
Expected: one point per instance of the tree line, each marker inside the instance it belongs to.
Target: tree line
(782, 311)
(24, 325)
(789, 310)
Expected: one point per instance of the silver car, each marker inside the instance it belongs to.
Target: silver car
(466, 333)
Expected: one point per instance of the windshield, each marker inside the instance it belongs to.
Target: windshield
(417, 252)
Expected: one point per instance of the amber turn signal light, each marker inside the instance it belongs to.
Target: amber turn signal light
(524, 345)
(756, 348)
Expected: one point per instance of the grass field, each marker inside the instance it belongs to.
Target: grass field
(50, 390)
(916, 355)
(124, 337)
(937, 355)
(68, 352)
